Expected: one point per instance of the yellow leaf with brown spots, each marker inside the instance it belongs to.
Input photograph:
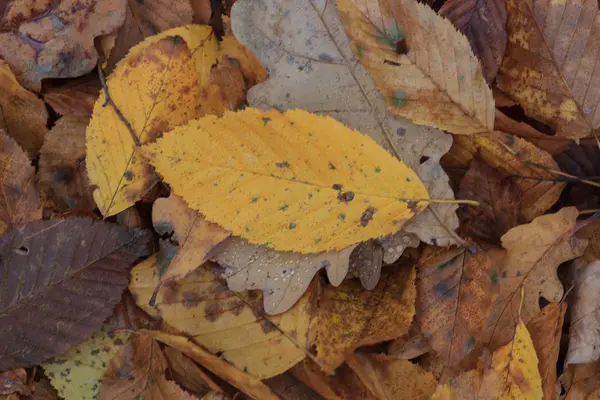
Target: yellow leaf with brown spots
(512, 374)
(229, 324)
(421, 64)
(294, 181)
(350, 317)
(550, 67)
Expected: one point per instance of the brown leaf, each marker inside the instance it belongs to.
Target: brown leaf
(456, 292)
(291, 388)
(55, 39)
(75, 98)
(409, 346)
(581, 381)
(202, 11)
(62, 178)
(350, 317)
(20, 201)
(65, 274)
(22, 115)
(127, 315)
(484, 23)
(389, 378)
(14, 381)
(499, 198)
(187, 374)
(43, 390)
(546, 330)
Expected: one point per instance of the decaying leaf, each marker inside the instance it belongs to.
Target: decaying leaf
(319, 73)
(66, 274)
(499, 202)
(456, 292)
(74, 98)
(581, 381)
(226, 323)
(77, 374)
(409, 346)
(187, 373)
(288, 387)
(350, 317)
(162, 71)
(196, 237)
(55, 39)
(389, 378)
(62, 179)
(20, 201)
(484, 23)
(546, 330)
(282, 276)
(512, 374)
(14, 382)
(327, 186)
(422, 65)
(533, 253)
(22, 115)
(243, 381)
(550, 63)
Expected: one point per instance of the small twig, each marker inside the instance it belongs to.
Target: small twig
(108, 100)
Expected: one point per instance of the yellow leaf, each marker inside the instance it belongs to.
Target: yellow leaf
(293, 181)
(421, 64)
(77, 374)
(513, 374)
(225, 322)
(155, 88)
(350, 317)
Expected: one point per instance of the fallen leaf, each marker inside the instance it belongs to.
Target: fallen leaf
(501, 99)
(75, 98)
(49, 266)
(243, 381)
(513, 374)
(22, 115)
(20, 201)
(350, 317)
(202, 11)
(549, 65)
(137, 371)
(44, 390)
(499, 202)
(484, 23)
(317, 199)
(546, 331)
(367, 260)
(283, 277)
(409, 346)
(62, 178)
(533, 253)
(319, 73)
(55, 40)
(389, 378)
(128, 316)
(456, 292)
(14, 382)
(77, 374)
(423, 67)
(289, 387)
(188, 374)
(581, 381)
(162, 71)
(195, 236)
(147, 18)
(226, 323)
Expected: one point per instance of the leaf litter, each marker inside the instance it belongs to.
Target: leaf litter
(420, 295)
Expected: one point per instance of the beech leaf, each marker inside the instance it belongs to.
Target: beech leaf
(64, 274)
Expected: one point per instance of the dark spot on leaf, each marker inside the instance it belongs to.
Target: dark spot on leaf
(398, 98)
(401, 47)
(266, 120)
(63, 175)
(469, 343)
(292, 226)
(129, 175)
(191, 299)
(237, 307)
(441, 289)
(212, 311)
(412, 206)
(400, 131)
(367, 216)
(283, 164)
(176, 39)
(346, 197)
(342, 216)
(331, 166)
(326, 57)
(494, 278)
(267, 326)
(337, 186)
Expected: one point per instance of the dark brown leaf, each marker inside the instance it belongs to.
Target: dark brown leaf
(484, 24)
(75, 98)
(61, 281)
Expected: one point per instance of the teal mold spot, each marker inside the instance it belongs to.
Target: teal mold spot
(292, 225)
(398, 98)
(342, 216)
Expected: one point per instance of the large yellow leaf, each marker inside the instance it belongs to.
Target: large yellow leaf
(550, 64)
(421, 64)
(513, 374)
(229, 324)
(155, 88)
(294, 181)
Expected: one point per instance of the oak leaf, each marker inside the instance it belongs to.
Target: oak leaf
(62, 179)
(51, 266)
(456, 293)
(484, 23)
(549, 64)
(420, 63)
(20, 201)
(55, 40)
(327, 186)
(243, 381)
(22, 115)
(512, 374)
(319, 73)
(78, 373)
(350, 317)
(225, 322)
